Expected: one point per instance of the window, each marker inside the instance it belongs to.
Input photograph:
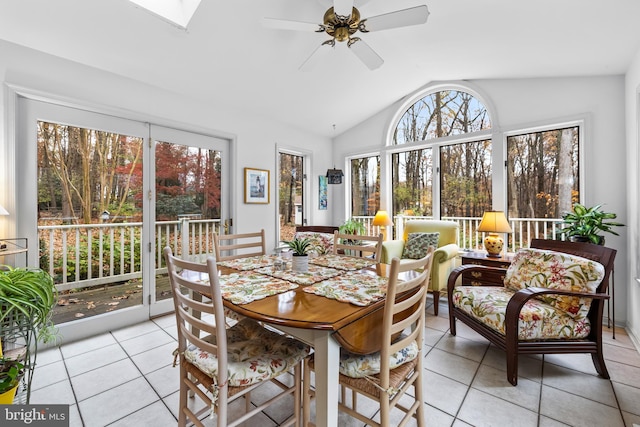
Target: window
(441, 114)
(445, 170)
(291, 194)
(365, 186)
(543, 173)
(465, 179)
(412, 177)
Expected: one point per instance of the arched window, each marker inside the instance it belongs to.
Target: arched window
(445, 170)
(441, 114)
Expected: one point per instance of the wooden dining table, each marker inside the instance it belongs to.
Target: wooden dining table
(326, 325)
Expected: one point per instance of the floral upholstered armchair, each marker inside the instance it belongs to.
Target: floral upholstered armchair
(418, 236)
(551, 301)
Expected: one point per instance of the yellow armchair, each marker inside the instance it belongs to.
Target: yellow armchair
(444, 258)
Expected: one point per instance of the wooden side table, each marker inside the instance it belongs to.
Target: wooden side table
(481, 258)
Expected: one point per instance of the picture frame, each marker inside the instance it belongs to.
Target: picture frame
(322, 192)
(257, 188)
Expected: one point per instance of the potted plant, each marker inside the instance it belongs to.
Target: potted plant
(351, 226)
(299, 247)
(584, 224)
(11, 372)
(27, 298)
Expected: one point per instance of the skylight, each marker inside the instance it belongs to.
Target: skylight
(178, 12)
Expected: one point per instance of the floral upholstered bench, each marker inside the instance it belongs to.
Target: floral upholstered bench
(546, 300)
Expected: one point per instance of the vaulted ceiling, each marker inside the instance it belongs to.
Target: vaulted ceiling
(227, 57)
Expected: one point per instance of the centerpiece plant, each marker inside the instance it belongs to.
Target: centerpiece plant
(299, 247)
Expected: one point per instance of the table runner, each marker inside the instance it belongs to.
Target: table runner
(355, 288)
(342, 262)
(249, 263)
(314, 275)
(247, 286)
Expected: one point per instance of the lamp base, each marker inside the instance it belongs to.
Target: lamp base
(493, 243)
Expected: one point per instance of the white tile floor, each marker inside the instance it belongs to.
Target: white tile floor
(125, 378)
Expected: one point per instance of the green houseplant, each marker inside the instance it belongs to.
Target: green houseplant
(584, 224)
(11, 372)
(299, 248)
(351, 226)
(27, 298)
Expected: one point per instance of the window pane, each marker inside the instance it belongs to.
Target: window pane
(365, 186)
(89, 218)
(465, 179)
(543, 173)
(290, 194)
(412, 180)
(441, 114)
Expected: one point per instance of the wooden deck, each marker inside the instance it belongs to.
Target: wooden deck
(104, 299)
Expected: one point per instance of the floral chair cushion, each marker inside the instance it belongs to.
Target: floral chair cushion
(556, 270)
(418, 244)
(360, 366)
(255, 354)
(321, 243)
(538, 320)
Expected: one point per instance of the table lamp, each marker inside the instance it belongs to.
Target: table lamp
(383, 221)
(3, 211)
(494, 222)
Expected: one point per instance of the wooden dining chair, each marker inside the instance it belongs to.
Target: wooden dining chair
(357, 245)
(220, 365)
(385, 376)
(241, 245)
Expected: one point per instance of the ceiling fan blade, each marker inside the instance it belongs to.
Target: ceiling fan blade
(342, 7)
(284, 24)
(400, 18)
(367, 55)
(316, 57)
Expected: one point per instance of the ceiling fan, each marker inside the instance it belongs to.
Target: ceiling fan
(342, 22)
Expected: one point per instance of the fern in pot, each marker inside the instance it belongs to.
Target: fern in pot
(300, 260)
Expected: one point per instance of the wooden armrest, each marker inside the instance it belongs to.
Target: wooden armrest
(468, 268)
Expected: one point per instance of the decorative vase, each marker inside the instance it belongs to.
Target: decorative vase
(300, 263)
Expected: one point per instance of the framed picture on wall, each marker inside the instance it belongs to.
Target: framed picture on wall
(256, 185)
(322, 192)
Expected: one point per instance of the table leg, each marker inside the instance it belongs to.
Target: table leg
(327, 359)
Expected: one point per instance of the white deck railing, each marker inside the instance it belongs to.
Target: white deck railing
(87, 255)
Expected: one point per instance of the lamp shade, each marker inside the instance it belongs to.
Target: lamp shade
(382, 219)
(3, 211)
(494, 222)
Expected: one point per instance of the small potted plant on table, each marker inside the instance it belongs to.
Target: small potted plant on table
(300, 260)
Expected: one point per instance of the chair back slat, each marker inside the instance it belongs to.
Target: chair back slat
(403, 313)
(357, 245)
(240, 245)
(197, 297)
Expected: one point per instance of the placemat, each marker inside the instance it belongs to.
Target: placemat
(247, 286)
(355, 288)
(249, 263)
(342, 262)
(315, 274)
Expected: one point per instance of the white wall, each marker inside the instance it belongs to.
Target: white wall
(526, 102)
(632, 101)
(255, 137)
